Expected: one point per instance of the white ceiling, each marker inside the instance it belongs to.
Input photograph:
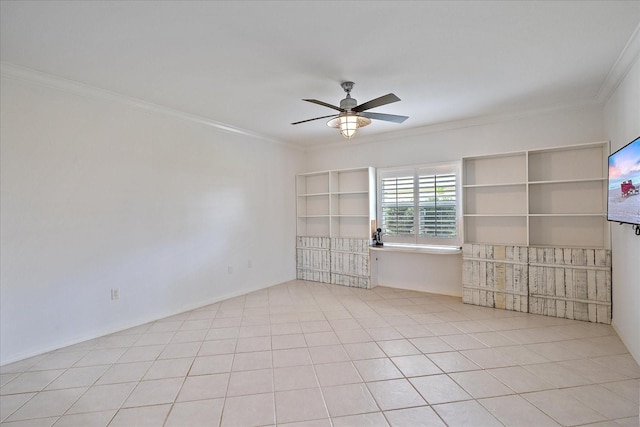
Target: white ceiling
(248, 64)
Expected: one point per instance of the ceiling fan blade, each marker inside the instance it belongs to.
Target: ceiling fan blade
(386, 117)
(317, 118)
(315, 101)
(383, 100)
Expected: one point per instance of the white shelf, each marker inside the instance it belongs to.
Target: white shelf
(600, 214)
(496, 215)
(340, 193)
(313, 195)
(435, 250)
(504, 184)
(568, 181)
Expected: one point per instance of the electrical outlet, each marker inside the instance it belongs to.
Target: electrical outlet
(115, 294)
(230, 270)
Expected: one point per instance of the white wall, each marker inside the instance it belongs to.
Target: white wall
(456, 140)
(443, 273)
(97, 194)
(438, 274)
(622, 125)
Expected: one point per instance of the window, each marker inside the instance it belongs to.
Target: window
(420, 205)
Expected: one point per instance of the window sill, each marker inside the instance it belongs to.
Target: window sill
(422, 249)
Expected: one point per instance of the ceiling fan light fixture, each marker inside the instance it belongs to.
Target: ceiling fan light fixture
(348, 123)
(352, 116)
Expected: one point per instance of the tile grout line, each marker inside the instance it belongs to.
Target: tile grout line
(321, 303)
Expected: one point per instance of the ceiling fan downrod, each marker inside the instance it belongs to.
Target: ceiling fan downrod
(348, 103)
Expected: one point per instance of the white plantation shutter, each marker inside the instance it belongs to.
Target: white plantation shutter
(438, 206)
(397, 199)
(420, 205)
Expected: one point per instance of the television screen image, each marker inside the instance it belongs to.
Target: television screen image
(624, 184)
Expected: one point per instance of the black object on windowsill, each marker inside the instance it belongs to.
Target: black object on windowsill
(377, 237)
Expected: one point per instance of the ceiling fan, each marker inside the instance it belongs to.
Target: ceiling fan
(353, 116)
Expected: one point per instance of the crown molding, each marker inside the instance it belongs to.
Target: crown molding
(621, 67)
(615, 76)
(80, 89)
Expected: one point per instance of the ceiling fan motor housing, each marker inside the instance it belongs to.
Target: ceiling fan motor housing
(348, 103)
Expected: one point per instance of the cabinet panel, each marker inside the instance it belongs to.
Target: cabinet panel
(313, 259)
(350, 262)
(496, 276)
(570, 283)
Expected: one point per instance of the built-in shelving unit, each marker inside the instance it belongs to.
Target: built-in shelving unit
(312, 191)
(567, 196)
(549, 200)
(495, 199)
(338, 205)
(550, 197)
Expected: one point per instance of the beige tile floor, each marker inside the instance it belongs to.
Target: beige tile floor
(307, 354)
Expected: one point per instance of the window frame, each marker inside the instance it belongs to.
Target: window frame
(417, 171)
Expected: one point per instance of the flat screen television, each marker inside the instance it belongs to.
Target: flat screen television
(623, 204)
